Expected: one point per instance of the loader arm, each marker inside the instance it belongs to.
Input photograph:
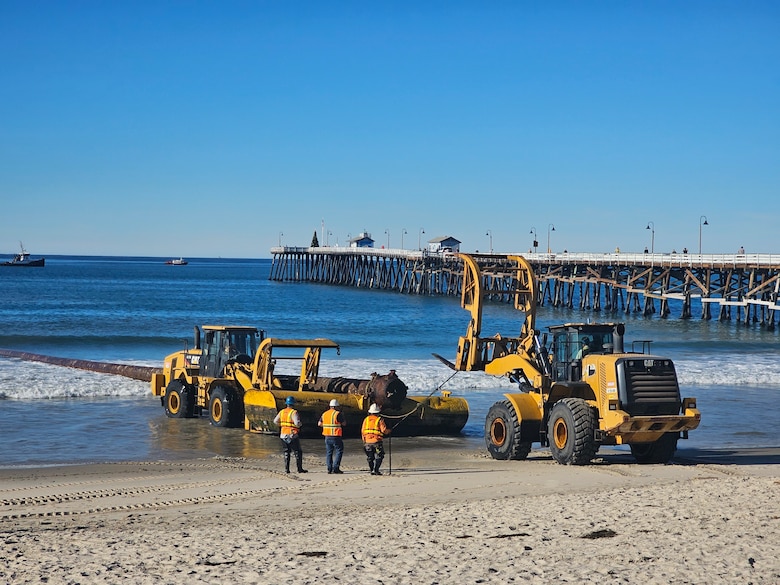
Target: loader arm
(471, 298)
(499, 355)
(310, 367)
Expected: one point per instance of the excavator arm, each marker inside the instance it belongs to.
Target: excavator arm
(516, 357)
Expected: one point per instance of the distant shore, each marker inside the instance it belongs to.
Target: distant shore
(440, 516)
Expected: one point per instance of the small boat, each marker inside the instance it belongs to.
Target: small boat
(23, 259)
(176, 262)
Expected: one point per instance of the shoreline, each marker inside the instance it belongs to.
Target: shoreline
(441, 516)
(233, 447)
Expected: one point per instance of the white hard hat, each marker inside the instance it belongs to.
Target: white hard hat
(334, 403)
(373, 409)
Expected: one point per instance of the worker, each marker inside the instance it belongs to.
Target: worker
(584, 349)
(373, 431)
(332, 422)
(289, 422)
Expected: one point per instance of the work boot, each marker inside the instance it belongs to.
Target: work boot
(287, 463)
(337, 470)
(300, 466)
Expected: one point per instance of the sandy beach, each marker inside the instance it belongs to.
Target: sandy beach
(440, 516)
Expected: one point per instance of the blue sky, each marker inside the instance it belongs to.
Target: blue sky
(223, 128)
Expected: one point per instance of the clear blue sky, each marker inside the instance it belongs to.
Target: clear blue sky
(210, 128)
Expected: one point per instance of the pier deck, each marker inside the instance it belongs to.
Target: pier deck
(741, 287)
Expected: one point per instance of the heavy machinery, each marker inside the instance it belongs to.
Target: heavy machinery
(579, 391)
(242, 378)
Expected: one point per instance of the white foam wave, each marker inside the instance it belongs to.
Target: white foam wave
(32, 380)
(421, 376)
(753, 370)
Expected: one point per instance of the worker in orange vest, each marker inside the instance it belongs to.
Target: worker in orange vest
(333, 422)
(289, 422)
(374, 430)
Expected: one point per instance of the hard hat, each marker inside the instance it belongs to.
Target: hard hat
(373, 409)
(334, 403)
(289, 401)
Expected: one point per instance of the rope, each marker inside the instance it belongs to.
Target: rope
(403, 417)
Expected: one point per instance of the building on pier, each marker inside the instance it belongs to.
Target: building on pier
(444, 244)
(363, 240)
(741, 287)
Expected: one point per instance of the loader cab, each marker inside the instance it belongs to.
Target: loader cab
(573, 341)
(224, 344)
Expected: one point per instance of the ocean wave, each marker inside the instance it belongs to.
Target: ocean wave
(31, 380)
(22, 380)
(753, 370)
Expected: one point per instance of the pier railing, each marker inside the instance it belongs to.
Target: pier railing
(744, 287)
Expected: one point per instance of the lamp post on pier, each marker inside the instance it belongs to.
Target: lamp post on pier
(419, 239)
(490, 233)
(327, 238)
(703, 217)
(550, 228)
(403, 231)
(651, 227)
(536, 240)
(280, 239)
(387, 232)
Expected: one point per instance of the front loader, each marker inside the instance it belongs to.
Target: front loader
(242, 379)
(579, 387)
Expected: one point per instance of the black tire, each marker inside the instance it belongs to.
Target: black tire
(178, 402)
(572, 432)
(224, 410)
(660, 451)
(502, 433)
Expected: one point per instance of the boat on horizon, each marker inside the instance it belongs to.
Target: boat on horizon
(23, 259)
(176, 262)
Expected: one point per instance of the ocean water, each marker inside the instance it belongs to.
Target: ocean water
(137, 310)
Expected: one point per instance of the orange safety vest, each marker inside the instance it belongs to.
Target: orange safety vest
(331, 427)
(374, 429)
(286, 422)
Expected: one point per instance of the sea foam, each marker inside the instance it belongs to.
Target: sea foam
(31, 380)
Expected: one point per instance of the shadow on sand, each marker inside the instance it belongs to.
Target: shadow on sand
(726, 456)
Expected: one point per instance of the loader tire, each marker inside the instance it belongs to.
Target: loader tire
(502, 433)
(660, 451)
(572, 432)
(223, 407)
(179, 401)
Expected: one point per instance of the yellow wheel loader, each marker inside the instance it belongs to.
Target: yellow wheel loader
(578, 391)
(241, 378)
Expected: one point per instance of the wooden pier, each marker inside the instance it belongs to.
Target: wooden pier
(740, 287)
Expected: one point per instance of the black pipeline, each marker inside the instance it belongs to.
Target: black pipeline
(143, 373)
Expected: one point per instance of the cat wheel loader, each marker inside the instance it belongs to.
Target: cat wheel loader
(242, 378)
(578, 391)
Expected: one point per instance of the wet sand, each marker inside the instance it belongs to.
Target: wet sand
(441, 516)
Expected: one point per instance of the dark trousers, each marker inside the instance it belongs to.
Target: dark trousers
(292, 444)
(334, 450)
(375, 453)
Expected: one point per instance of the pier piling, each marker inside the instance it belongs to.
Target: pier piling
(604, 283)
